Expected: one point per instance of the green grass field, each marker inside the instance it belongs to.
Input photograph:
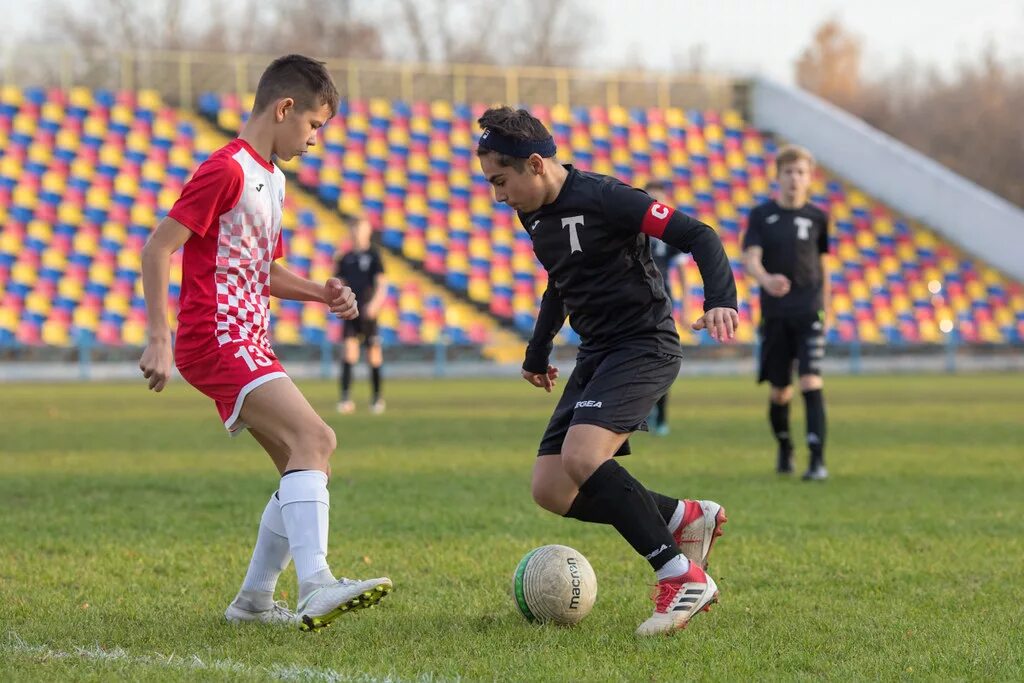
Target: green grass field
(127, 522)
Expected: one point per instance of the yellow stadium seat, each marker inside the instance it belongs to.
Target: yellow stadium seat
(142, 215)
(12, 94)
(149, 99)
(133, 332)
(69, 289)
(675, 117)
(119, 113)
(479, 289)
(80, 97)
(319, 272)
(55, 333)
(85, 318)
(441, 109)
(24, 124)
(24, 273)
(350, 204)
(37, 302)
(229, 119)
(117, 303)
(25, 196)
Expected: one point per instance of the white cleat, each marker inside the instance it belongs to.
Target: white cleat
(277, 614)
(346, 407)
(378, 406)
(679, 599)
(815, 473)
(329, 602)
(701, 524)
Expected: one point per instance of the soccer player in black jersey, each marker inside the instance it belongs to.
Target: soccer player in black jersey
(362, 270)
(591, 234)
(784, 251)
(667, 258)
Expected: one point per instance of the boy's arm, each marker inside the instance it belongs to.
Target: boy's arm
(158, 358)
(284, 284)
(550, 319)
(638, 212)
(380, 292)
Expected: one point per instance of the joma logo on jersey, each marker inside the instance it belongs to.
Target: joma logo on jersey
(588, 404)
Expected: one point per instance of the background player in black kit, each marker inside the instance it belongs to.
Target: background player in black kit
(363, 271)
(590, 232)
(667, 258)
(784, 251)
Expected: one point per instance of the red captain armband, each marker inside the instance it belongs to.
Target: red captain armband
(656, 219)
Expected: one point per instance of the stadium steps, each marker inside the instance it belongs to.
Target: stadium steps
(504, 345)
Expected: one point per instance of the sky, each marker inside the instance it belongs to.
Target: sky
(745, 37)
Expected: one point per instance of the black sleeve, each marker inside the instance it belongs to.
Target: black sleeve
(549, 321)
(339, 271)
(823, 234)
(636, 211)
(752, 237)
(377, 267)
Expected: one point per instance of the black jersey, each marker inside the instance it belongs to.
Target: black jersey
(359, 270)
(600, 270)
(792, 242)
(664, 255)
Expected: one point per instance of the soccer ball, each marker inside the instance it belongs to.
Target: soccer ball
(554, 583)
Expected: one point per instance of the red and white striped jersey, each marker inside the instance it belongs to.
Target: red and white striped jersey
(233, 204)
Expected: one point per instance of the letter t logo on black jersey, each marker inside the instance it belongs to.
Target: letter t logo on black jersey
(573, 222)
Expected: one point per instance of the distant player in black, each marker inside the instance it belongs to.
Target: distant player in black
(784, 251)
(362, 270)
(667, 258)
(591, 234)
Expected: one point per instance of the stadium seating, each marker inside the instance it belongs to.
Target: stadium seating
(86, 175)
(411, 167)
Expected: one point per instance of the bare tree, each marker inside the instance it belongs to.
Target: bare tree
(830, 65)
(523, 32)
(969, 121)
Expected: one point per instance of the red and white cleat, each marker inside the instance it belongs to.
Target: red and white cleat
(701, 524)
(677, 600)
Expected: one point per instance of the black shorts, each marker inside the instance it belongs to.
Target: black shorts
(362, 328)
(784, 340)
(613, 389)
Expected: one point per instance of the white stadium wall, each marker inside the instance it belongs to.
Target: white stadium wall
(976, 220)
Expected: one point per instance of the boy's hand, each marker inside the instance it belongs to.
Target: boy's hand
(156, 362)
(542, 380)
(340, 299)
(721, 323)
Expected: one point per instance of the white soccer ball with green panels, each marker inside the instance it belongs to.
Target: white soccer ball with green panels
(554, 583)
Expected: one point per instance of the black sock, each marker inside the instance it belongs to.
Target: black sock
(586, 509)
(632, 511)
(375, 380)
(662, 411)
(778, 415)
(346, 380)
(815, 405)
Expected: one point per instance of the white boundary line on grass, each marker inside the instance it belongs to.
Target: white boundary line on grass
(193, 662)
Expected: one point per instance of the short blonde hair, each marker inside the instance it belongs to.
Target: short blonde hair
(790, 154)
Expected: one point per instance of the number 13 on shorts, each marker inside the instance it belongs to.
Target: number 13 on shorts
(253, 357)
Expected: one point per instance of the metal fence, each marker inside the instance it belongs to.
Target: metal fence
(180, 76)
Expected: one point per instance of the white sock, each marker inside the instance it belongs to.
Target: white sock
(305, 503)
(269, 558)
(677, 566)
(677, 517)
